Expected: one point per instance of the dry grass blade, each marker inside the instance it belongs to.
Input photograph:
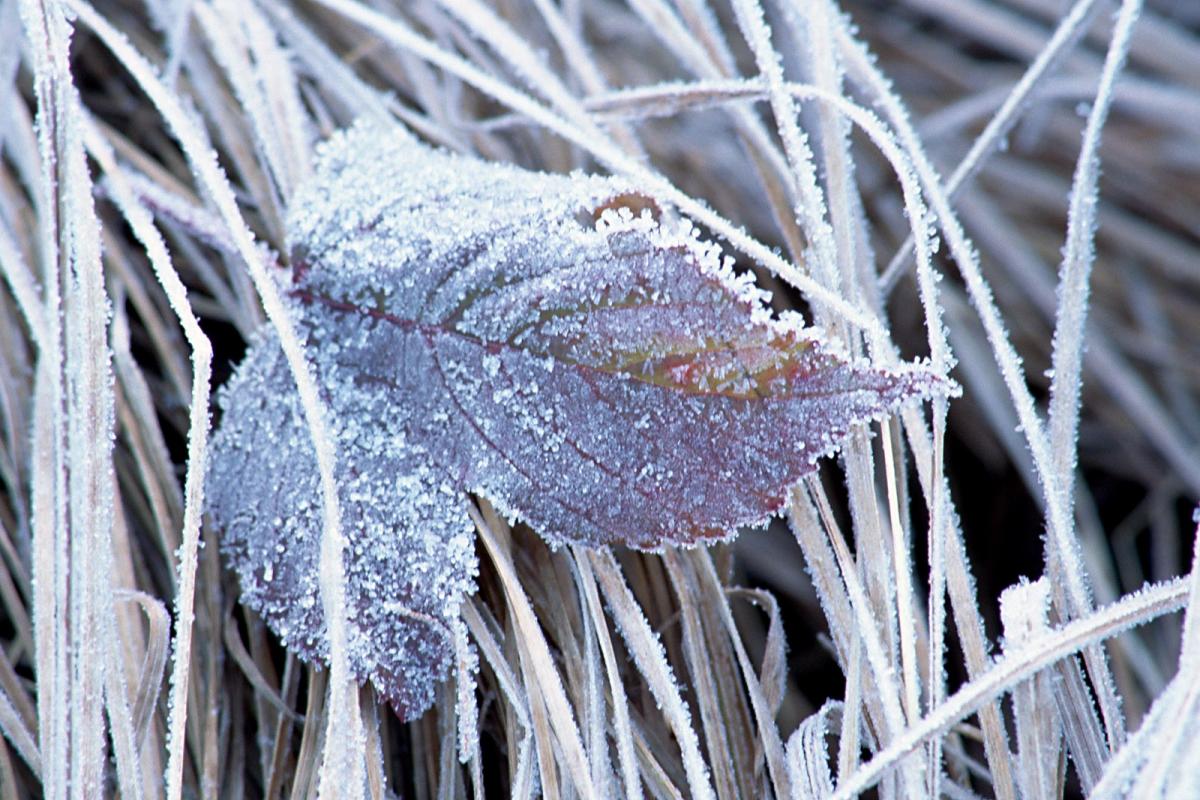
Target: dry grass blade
(1066, 365)
(647, 652)
(1025, 609)
(79, 488)
(1149, 765)
(1138, 609)
(345, 753)
(15, 730)
(808, 758)
(549, 699)
(622, 728)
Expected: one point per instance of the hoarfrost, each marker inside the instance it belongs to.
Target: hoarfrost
(808, 753)
(600, 374)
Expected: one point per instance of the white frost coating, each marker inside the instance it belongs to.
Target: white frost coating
(647, 652)
(1152, 762)
(608, 153)
(1074, 289)
(343, 762)
(808, 754)
(811, 205)
(198, 413)
(1067, 362)
(479, 328)
(1138, 608)
(1024, 612)
(467, 661)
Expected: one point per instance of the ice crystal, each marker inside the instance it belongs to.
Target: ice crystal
(554, 343)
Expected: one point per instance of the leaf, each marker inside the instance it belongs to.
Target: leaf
(477, 328)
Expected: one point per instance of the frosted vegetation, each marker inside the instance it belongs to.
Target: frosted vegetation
(626, 391)
(607, 381)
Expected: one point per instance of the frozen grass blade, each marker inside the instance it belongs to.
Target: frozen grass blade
(78, 367)
(846, 214)
(862, 67)
(1061, 530)
(622, 730)
(550, 689)
(1068, 353)
(344, 752)
(1070, 29)
(1149, 763)
(143, 227)
(254, 75)
(866, 627)
(18, 734)
(808, 760)
(810, 201)
(873, 558)
(20, 280)
(120, 714)
(713, 724)
(1025, 610)
(647, 652)
(961, 588)
(696, 40)
(158, 637)
(1106, 622)
(902, 569)
(466, 668)
(764, 718)
(522, 784)
(48, 495)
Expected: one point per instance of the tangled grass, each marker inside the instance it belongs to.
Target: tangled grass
(880, 638)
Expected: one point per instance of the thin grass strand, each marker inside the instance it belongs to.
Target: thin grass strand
(344, 766)
(1139, 608)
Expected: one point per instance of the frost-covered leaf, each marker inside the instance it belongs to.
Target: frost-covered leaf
(599, 374)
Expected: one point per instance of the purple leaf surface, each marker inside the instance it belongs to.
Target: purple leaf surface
(593, 371)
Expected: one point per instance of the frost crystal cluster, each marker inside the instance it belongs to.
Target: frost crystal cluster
(595, 371)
